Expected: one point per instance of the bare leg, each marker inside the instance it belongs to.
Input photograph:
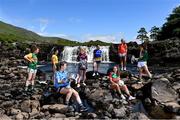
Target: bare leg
(80, 76)
(94, 66)
(147, 71)
(121, 61)
(84, 75)
(33, 78)
(76, 95)
(140, 73)
(126, 90)
(98, 66)
(125, 57)
(68, 92)
(28, 81)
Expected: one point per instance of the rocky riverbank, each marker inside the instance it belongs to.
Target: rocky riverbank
(157, 98)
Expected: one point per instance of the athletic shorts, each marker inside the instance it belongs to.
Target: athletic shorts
(141, 64)
(122, 54)
(33, 71)
(98, 62)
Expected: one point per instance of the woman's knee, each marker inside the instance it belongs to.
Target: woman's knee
(75, 93)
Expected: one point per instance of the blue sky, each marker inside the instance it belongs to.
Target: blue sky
(83, 20)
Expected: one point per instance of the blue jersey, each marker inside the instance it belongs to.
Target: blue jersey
(97, 53)
(61, 79)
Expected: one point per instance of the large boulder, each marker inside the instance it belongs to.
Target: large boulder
(162, 91)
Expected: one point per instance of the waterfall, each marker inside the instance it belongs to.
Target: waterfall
(70, 53)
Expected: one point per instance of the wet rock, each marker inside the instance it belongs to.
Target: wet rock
(138, 116)
(28, 105)
(137, 86)
(36, 97)
(172, 107)
(58, 108)
(5, 86)
(162, 91)
(2, 76)
(26, 115)
(97, 94)
(70, 114)
(7, 104)
(58, 115)
(119, 113)
(15, 111)
(4, 117)
(19, 116)
(45, 108)
(176, 85)
(158, 112)
(91, 116)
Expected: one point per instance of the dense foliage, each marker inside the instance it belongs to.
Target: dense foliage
(171, 28)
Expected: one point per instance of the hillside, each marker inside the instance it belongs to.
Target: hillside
(10, 33)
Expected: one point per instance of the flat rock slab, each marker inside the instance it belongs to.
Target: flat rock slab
(162, 91)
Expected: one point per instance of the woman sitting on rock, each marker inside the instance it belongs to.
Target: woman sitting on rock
(117, 84)
(62, 84)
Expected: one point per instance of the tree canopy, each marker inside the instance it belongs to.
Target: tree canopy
(172, 27)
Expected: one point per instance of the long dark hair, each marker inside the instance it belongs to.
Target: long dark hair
(118, 71)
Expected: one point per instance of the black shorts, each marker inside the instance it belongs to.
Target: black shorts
(59, 89)
(98, 62)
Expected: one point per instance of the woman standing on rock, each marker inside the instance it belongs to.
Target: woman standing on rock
(97, 58)
(54, 60)
(32, 67)
(122, 49)
(82, 58)
(142, 61)
(118, 84)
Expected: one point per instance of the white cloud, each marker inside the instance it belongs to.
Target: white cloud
(74, 20)
(111, 38)
(105, 38)
(43, 23)
(69, 37)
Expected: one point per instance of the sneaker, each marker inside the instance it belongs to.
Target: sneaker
(93, 74)
(78, 85)
(97, 73)
(121, 68)
(66, 103)
(84, 84)
(26, 88)
(123, 97)
(43, 82)
(83, 109)
(125, 68)
(131, 98)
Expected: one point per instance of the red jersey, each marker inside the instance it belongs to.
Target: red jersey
(122, 48)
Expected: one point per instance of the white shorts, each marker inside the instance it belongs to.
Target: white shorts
(122, 54)
(141, 64)
(121, 83)
(33, 71)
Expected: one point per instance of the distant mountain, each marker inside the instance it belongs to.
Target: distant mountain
(10, 33)
(97, 42)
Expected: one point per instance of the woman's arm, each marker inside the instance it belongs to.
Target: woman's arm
(29, 57)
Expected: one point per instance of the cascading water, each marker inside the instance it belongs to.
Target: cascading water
(70, 53)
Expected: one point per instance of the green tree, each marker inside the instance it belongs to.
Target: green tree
(154, 32)
(142, 35)
(172, 27)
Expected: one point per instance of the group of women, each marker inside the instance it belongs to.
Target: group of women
(62, 81)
